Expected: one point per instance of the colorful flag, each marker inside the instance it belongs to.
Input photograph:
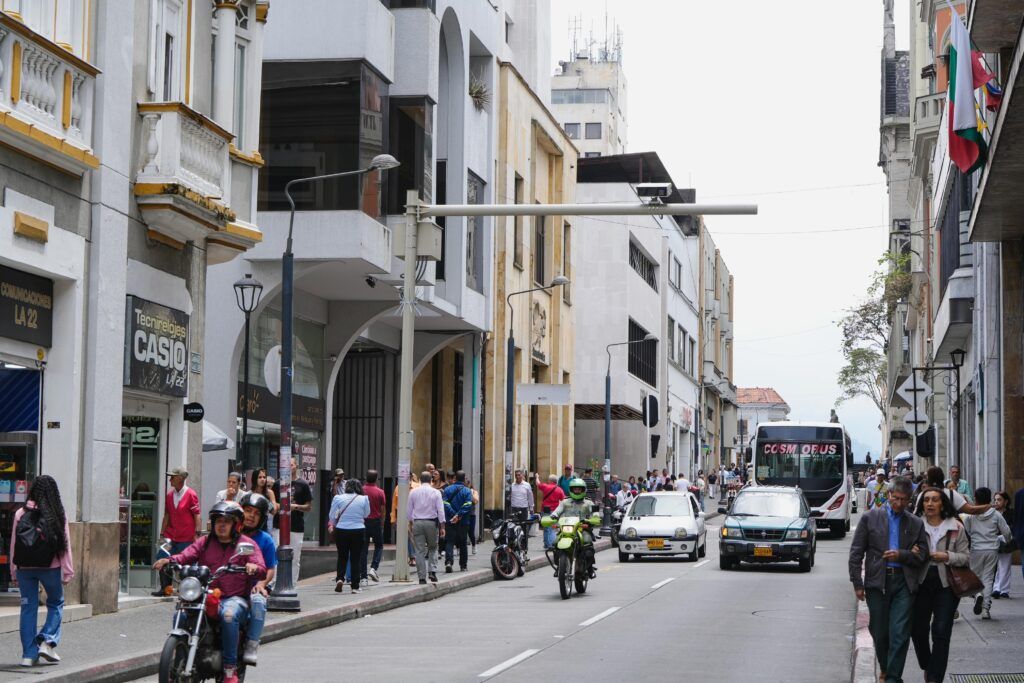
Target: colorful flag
(967, 146)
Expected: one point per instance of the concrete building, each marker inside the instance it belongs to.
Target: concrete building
(128, 167)
(757, 405)
(588, 96)
(536, 164)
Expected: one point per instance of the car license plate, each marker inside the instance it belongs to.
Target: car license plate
(655, 543)
(762, 551)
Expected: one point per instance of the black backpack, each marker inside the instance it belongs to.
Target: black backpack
(33, 545)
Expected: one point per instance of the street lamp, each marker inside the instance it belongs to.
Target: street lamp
(248, 291)
(606, 518)
(284, 597)
(956, 356)
(510, 386)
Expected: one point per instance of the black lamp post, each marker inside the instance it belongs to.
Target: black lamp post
(956, 356)
(248, 291)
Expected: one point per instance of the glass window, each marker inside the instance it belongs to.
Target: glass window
(591, 155)
(644, 266)
(517, 229)
(669, 505)
(540, 253)
(474, 234)
(567, 262)
(766, 504)
(319, 118)
(572, 130)
(643, 358)
(681, 338)
(239, 108)
(411, 142)
(671, 338)
(593, 131)
(693, 357)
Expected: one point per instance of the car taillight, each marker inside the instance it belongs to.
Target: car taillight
(838, 504)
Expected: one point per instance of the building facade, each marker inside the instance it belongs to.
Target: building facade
(588, 96)
(757, 405)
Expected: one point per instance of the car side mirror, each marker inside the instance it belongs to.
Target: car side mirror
(722, 511)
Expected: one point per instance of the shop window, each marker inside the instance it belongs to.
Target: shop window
(319, 118)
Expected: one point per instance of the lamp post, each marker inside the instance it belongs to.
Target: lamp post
(284, 596)
(248, 291)
(606, 517)
(510, 387)
(956, 356)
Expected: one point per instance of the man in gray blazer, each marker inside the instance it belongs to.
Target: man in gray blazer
(892, 545)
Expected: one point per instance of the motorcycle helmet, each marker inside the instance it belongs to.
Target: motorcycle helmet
(577, 489)
(231, 510)
(250, 499)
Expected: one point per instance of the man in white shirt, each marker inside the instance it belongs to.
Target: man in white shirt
(521, 498)
(624, 496)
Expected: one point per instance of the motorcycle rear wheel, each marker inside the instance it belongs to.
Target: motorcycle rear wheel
(565, 578)
(581, 576)
(504, 564)
(173, 658)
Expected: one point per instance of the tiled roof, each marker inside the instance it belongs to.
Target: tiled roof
(757, 395)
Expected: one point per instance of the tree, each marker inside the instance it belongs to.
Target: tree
(865, 329)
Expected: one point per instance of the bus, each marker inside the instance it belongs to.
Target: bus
(817, 457)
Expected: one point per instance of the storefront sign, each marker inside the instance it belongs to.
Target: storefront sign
(194, 412)
(26, 307)
(156, 348)
(307, 413)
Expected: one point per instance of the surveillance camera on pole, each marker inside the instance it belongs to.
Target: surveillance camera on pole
(653, 193)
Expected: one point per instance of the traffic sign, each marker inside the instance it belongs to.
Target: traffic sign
(915, 386)
(916, 421)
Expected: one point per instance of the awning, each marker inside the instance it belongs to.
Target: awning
(214, 439)
(905, 455)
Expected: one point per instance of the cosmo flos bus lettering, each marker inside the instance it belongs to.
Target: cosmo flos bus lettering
(817, 457)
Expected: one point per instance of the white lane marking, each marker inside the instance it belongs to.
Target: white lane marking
(508, 663)
(701, 564)
(662, 583)
(599, 617)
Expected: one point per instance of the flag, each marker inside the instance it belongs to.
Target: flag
(985, 79)
(967, 146)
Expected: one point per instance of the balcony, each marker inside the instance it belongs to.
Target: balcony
(46, 96)
(995, 23)
(184, 179)
(927, 116)
(955, 315)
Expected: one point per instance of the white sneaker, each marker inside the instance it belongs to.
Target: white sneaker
(372, 573)
(985, 614)
(249, 651)
(47, 652)
(26, 662)
(355, 590)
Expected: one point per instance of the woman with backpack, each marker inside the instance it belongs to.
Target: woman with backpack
(41, 554)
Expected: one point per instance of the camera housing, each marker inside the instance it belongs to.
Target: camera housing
(653, 191)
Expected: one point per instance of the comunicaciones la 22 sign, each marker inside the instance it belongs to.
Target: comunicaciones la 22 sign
(156, 348)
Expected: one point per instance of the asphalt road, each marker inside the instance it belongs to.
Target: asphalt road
(654, 620)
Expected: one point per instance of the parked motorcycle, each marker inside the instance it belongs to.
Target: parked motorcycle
(568, 559)
(510, 554)
(192, 651)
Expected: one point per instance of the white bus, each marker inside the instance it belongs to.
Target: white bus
(817, 457)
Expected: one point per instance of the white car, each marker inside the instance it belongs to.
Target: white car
(663, 523)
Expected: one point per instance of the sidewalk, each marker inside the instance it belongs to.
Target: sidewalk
(977, 647)
(125, 645)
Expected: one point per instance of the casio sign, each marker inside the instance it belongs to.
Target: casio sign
(194, 412)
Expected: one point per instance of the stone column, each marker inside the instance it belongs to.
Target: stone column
(224, 64)
(1013, 364)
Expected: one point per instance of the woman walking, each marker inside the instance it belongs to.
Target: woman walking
(1004, 565)
(935, 602)
(41, 554)
(346, 520)
(258, 484)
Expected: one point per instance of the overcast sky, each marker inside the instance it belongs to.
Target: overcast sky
(776, 103)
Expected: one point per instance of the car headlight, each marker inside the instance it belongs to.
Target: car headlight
(731, 532)
(796, 534)
(681, 533)
(629, 533)
(190, 589)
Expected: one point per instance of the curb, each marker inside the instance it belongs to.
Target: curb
(120, 669)
(864, 661)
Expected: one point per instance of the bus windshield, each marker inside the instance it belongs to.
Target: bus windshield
(784, 460)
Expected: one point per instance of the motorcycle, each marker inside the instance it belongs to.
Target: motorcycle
(567, 558)
(618, 514)
(510, 554)
(192, 651)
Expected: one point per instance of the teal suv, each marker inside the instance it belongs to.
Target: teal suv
(768, 524)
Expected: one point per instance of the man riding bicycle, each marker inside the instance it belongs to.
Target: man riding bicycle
(578, 505)
(214, 551)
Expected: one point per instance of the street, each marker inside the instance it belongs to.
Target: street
(662, 620)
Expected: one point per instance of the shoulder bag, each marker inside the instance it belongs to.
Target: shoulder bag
(962, 581)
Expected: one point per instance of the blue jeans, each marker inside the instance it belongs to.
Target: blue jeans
(374, 532)
(234, 614)
(549, 537)
(28, 584)
(890, 624)
(257, 616)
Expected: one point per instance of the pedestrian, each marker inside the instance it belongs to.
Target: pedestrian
(40, 555)
(712, 484)
(551, 495)
(233, 489)
(414, 483)
(338, 483)
(182, 522)
(891, 546)
(458, 503)
(521, 499)
(472, 517)
(593, 495)
(374, 526)
(933, 477)
(301, 502)
(701, 488)
(426, 514)
(437, 480)
(959, 485)
(1004, 565)
(987, 531)
(614, 486)
(878, 490)
(563, 481)
(347, 520)
(935, 601)
(258, 484)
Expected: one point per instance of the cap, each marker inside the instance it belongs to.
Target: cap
(339, 472)
(177, 472)
(880, 471)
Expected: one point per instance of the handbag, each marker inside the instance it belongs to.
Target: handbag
(962, 581)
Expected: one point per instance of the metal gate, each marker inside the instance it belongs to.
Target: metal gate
(364, 414)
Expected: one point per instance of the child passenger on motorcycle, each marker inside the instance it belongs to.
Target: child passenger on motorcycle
(214, 551)
(256, 508)
(578, 505)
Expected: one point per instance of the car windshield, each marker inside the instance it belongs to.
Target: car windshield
(768, 504)
(662, 506)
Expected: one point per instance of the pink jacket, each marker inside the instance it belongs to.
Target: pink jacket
(62, 560)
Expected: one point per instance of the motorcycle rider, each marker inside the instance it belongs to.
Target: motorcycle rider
(215, 550)
(256, 508)
(578, 505)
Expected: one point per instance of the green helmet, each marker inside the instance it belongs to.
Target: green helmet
(577, 489)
